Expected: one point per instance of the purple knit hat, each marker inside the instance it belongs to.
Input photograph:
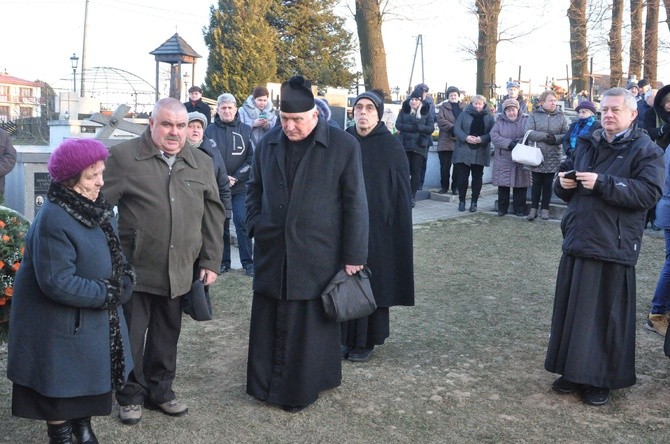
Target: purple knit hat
(73, 156)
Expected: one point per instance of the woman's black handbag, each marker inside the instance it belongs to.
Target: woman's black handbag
(349, 297)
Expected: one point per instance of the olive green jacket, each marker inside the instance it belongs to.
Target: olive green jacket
(168, 218)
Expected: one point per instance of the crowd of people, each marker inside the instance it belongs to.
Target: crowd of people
(307, 200)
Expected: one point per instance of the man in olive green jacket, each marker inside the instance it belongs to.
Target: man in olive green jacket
(170, 216)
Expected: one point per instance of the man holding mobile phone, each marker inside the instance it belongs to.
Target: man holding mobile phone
(613, 177)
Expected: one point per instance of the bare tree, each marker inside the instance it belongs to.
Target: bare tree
(487, 43)
(651, 41)
(667, 12)
(615, 44)
(578, 47)
(635, 61)
(368, 17)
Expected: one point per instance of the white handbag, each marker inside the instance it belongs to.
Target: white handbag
(527, 154)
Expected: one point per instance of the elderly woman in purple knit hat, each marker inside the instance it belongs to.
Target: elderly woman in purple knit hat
(583, 127)
(506, 133)
(68, 340)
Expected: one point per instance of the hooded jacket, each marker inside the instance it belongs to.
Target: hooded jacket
(250, 112)
(656, 120)
(606, 223)
(415, 134)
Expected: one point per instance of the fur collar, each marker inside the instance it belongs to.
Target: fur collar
(92, 214)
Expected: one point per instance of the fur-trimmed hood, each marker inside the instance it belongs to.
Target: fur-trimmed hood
(424, 110)
(658, 103)
(323, 108)
(252, 110)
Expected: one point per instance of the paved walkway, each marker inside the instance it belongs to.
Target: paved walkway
(429, 210)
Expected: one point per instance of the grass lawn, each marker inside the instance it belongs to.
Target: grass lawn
(464, 365)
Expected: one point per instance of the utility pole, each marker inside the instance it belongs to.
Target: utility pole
(419, 42)
(83, 53)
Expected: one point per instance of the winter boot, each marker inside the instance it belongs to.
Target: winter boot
(473, 206)
(60, 433)
(533, 214)
(545, 214)
(82, 429)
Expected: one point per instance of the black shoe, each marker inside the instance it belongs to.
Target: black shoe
(225, 268)
(359, 354)
(565, 387)
(344, 351)
(443, 191)
(413, 202)
(249, 270)
(520, 214)
(502, 213)
(596, 396)
(454, 192)
(461, 206)
(473, 207)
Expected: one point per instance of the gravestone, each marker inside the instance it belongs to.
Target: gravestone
(27, 185)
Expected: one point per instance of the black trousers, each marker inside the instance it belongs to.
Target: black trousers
(415, 165)
(445, 169)
(519, 197)
(159, 317)
(542, 183)
(463, 174)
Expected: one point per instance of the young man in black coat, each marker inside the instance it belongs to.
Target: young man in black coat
(195, 103)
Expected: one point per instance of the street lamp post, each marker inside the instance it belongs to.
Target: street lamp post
(74, 60)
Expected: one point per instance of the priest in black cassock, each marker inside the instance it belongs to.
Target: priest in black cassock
(308, 215)
(618, 175)
(390, 249)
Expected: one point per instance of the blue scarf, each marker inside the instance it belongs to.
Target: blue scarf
(580, 129)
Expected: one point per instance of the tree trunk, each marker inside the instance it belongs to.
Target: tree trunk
(373, 56)
(487, 13)
(651, 41)
(667, 12)
(616, 47)
(635, 63)
(578, 49)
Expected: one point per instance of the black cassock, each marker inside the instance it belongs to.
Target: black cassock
(390, 249)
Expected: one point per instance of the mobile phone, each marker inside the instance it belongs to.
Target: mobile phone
(572, 175)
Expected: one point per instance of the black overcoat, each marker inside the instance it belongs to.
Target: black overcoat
(390, 249)
(319, 227)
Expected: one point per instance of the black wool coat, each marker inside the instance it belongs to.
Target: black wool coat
(390, 248)
(317, 228)
(200, 107)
